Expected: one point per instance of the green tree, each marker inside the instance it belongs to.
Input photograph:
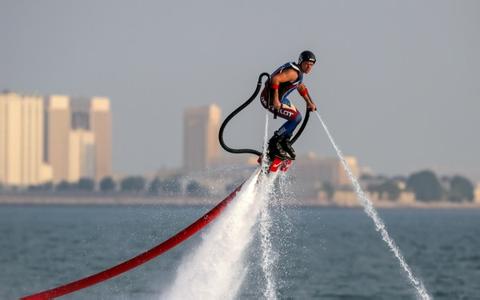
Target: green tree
(155, 186)
(134, 184)
(45, 187)
(425, 185)
(366, 177)
(65, 186)
(86, 184)
(171, 186)
(196, 189)
(392, 189)
(460, 189)
(329, 189)
(107, 184)
(389, 187)
(48, 186)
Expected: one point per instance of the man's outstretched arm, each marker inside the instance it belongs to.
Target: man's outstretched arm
(303, 91)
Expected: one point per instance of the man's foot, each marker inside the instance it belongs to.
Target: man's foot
(276, 149)
(287, 147)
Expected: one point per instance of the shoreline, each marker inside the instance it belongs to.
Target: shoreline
(26, 199)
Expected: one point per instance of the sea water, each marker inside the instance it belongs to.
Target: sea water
(326, 253)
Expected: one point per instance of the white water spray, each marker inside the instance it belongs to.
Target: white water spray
(379, 224)
(265, 145)
(217, 268)
(269, 255)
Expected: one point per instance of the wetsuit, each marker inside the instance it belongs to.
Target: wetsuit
(287, 110)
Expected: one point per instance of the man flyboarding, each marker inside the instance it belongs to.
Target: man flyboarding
(283, 81)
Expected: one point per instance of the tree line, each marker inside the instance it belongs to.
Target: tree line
(172, 186)
(427, 187)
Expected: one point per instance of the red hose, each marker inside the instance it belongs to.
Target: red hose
(137, 260)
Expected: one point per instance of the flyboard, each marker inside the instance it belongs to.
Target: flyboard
(275, 164)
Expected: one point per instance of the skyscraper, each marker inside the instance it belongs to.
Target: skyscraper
(58, 135)
(21, 140)
(101, 126)
(201, 147)
(81, 158)
(79, 138)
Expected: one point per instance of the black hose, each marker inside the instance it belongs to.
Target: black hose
(240, 108)
(302, 127)
(234, 113)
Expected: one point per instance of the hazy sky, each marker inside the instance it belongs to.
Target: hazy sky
(398, 82)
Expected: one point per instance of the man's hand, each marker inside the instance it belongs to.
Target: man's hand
(312, 106)
(277, 105)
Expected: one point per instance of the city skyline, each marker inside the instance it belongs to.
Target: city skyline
(53, 139)
(400, 97)
(201, 149)
(49, 143)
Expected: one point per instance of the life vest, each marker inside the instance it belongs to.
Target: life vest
(285, 88)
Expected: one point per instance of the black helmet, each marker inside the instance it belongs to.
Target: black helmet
(306, 56)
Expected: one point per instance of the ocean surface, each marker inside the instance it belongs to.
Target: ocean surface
(323, 253)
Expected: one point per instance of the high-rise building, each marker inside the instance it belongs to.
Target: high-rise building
(101, 127)
(81, 158)
(21, 140)
(79, 138)
(58, 123)
(201, 147)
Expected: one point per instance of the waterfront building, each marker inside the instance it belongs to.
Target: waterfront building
(312, 172)
(58, 116)
(81, 158)
(200, 131)
(101, 127)
(21, 141)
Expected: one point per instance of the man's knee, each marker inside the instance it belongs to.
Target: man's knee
(298, 118)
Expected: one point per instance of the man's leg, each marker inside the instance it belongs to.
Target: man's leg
(279, 144)
(289, 126)
(286, 132)
(274, 147)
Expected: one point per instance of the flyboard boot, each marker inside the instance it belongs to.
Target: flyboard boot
(275, 148)
(286, 145)
(278, 157)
